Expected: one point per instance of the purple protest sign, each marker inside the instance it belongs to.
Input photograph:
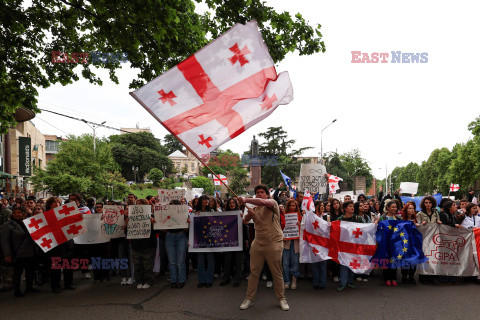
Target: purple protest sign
(216, 232)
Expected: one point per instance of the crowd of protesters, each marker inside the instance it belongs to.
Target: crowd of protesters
(21, 255)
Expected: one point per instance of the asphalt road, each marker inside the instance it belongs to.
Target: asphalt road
(371, 300)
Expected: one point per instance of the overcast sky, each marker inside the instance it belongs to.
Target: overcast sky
(393, 113)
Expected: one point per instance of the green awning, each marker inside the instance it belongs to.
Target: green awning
(5, 175)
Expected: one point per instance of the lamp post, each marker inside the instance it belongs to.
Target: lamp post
(135, 170)
(321, 138)
(93, 126)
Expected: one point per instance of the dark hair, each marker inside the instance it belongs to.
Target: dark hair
(199, 203)
(90, 202)
(287, 206)
(131, 194)
(31, 198)
(227, 206)
(76, 195)
(362, 195)
(469, 207)
(262, 186)
(447, 205)
(175, 202)
(346, 204)
(332, 210)
(19, 207)
(148, 197)
(389, 204)
(49, 202)
(432, 200)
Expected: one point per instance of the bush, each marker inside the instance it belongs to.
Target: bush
(149, 185)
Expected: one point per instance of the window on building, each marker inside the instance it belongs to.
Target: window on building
(193, 167)
(52, 146)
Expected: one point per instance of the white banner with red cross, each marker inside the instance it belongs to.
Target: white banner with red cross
(348, 243)
(219, 92)
(56, 226)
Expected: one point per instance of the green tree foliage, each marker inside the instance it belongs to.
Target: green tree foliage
(277, 153)
(77, 168)
(155, 175)
(203, 182)
(408, 173)
(171, 144)
(141, 150)
(347, 166)
(154, 35)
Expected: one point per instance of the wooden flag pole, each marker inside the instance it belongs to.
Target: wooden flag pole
(180, 140)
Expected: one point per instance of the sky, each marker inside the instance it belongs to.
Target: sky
(394, 113)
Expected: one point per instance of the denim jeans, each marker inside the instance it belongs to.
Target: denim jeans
(346, 276)
(206, 276)
(176, 245)
(290, 262)
(319, 270)
(124, 252)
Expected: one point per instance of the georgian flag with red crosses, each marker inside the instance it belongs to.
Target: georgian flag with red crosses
(348, 243)
(219, 92)
(56, 226)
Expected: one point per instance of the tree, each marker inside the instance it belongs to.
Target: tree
(347, 166)
(277, 153)
(408, 173)
(238, 180)
(77, 168)
(203, 182)
(156, 176)
(171, 144)
(140, 150)
(474, 126)
(153, 35)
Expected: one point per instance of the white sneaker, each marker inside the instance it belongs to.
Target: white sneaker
(246, 304)
(139, 286)
(294, 283)
(335, 279)
(269, 284)
(130, 281)
(124, 281)
(284, 305)
(365, 280)
(146, 286)
(87, 276)
(264, 277)
(247, 277)
(358, 279)
(286, 285)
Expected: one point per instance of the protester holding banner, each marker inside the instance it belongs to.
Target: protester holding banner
(101, 250)
(290, 257)
(268, 245)
(449, 217)
(408, 214)
(390, 274)
(19, 248)
(123, 247)
(471, 219)
(335, 213)
(205, 275)
(319, 269)
(233, 259)
(176, 245)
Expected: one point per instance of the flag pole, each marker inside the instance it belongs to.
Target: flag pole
(180, 140)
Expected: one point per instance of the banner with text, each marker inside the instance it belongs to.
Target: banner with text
(139, 224)
(167, 195)
(312, 177)
(216, 232)
(25, 156)
(292, 229)
(93, 224)
(170, 216)
(113, 221)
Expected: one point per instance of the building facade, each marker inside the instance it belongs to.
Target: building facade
(185, 163)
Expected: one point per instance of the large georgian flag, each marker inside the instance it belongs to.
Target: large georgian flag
(56, 226)
(219, 92)
(347, 243)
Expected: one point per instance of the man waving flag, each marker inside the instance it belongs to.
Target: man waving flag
(219, 92)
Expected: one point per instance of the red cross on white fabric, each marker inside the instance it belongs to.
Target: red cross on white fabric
(74, 229)
(354, 264)
(315, 251)
(167, 97)
(335, 245)
(46, 243)
(239, 55)
(316, 225)
(66, 210)
(35, 223)
(267, 103)
(204, 141)
(357, 233)
(217, 104)
(454, 187)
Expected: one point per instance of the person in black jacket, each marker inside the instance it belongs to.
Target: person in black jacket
(449, 217)
(20, 249)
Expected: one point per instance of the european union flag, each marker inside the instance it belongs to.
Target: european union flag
(399, 245)
(288, 183)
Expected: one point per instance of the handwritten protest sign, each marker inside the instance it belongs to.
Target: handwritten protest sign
(113, 221)
(93, 225)
(408, 187)
(216, 232)
(167, 195)
(170, 216)
(312, 177)
(291, 230)
(139, 223)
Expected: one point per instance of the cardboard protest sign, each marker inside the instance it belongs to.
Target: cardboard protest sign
(113, 221)
(139, 224)
(409, 187)
(216, 232)
(312, 178)
(193, 193)
(94, 234)
(167, 195)
(291, 230)
(170, 216)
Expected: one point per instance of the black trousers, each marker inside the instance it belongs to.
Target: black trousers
(233, 260)
(389, 274)
(55, 276)
(20, 264)
(101, 250)
(410, 272)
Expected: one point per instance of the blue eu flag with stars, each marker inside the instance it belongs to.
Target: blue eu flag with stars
(399, 245)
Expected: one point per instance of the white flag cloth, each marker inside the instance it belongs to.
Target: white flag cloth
(349, 243)
(454, 187)
(56, 226)
(217, 181)
(449, 251)
(219, 92)
(307, 204)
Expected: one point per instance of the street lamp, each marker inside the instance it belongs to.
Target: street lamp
(135, 170)
(93, 126)
(321, 138)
